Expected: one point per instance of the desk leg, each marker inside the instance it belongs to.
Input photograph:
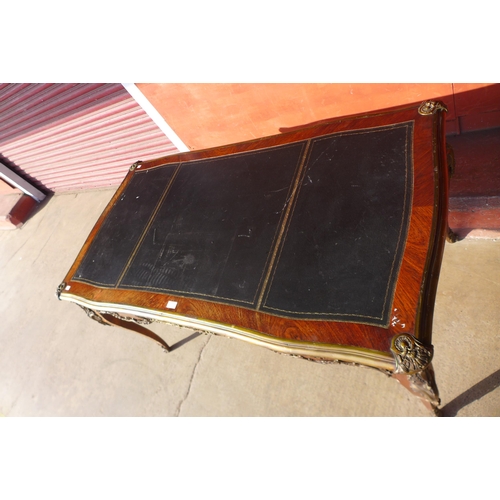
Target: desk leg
(414, 369)
(423, 385)
(451, 237)
(105, 318)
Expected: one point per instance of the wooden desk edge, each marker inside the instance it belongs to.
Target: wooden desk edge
(317, 351)
(321, 352)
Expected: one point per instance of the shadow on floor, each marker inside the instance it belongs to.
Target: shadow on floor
(184, 341)
(476, 392)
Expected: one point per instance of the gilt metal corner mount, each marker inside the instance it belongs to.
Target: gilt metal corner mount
(135, 165)
(60, 288)
(410, 354)
(430, 107)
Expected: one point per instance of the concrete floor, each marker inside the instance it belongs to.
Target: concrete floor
(54, 361)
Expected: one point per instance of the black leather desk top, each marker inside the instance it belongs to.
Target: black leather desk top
(313, 230)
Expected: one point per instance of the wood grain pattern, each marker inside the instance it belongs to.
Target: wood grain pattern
(413, 302)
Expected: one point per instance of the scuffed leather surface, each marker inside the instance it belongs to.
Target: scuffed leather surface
(217, 228)
(212, 237)
(346, 238)
(119, 233)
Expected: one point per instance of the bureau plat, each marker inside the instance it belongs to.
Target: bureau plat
(323, 242)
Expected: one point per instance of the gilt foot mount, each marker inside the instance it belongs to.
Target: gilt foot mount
(414, 369)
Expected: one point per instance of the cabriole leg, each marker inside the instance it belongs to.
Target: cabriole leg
(423, 385)
(414, 369)
(129, 323)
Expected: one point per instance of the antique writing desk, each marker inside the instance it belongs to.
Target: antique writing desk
(323, 242)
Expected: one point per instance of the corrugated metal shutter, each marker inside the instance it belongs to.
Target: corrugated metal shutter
(65, 137)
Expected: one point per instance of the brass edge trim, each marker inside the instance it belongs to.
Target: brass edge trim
(428, 289)
(331, 352)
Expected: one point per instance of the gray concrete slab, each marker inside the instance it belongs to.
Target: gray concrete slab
(54, 361)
